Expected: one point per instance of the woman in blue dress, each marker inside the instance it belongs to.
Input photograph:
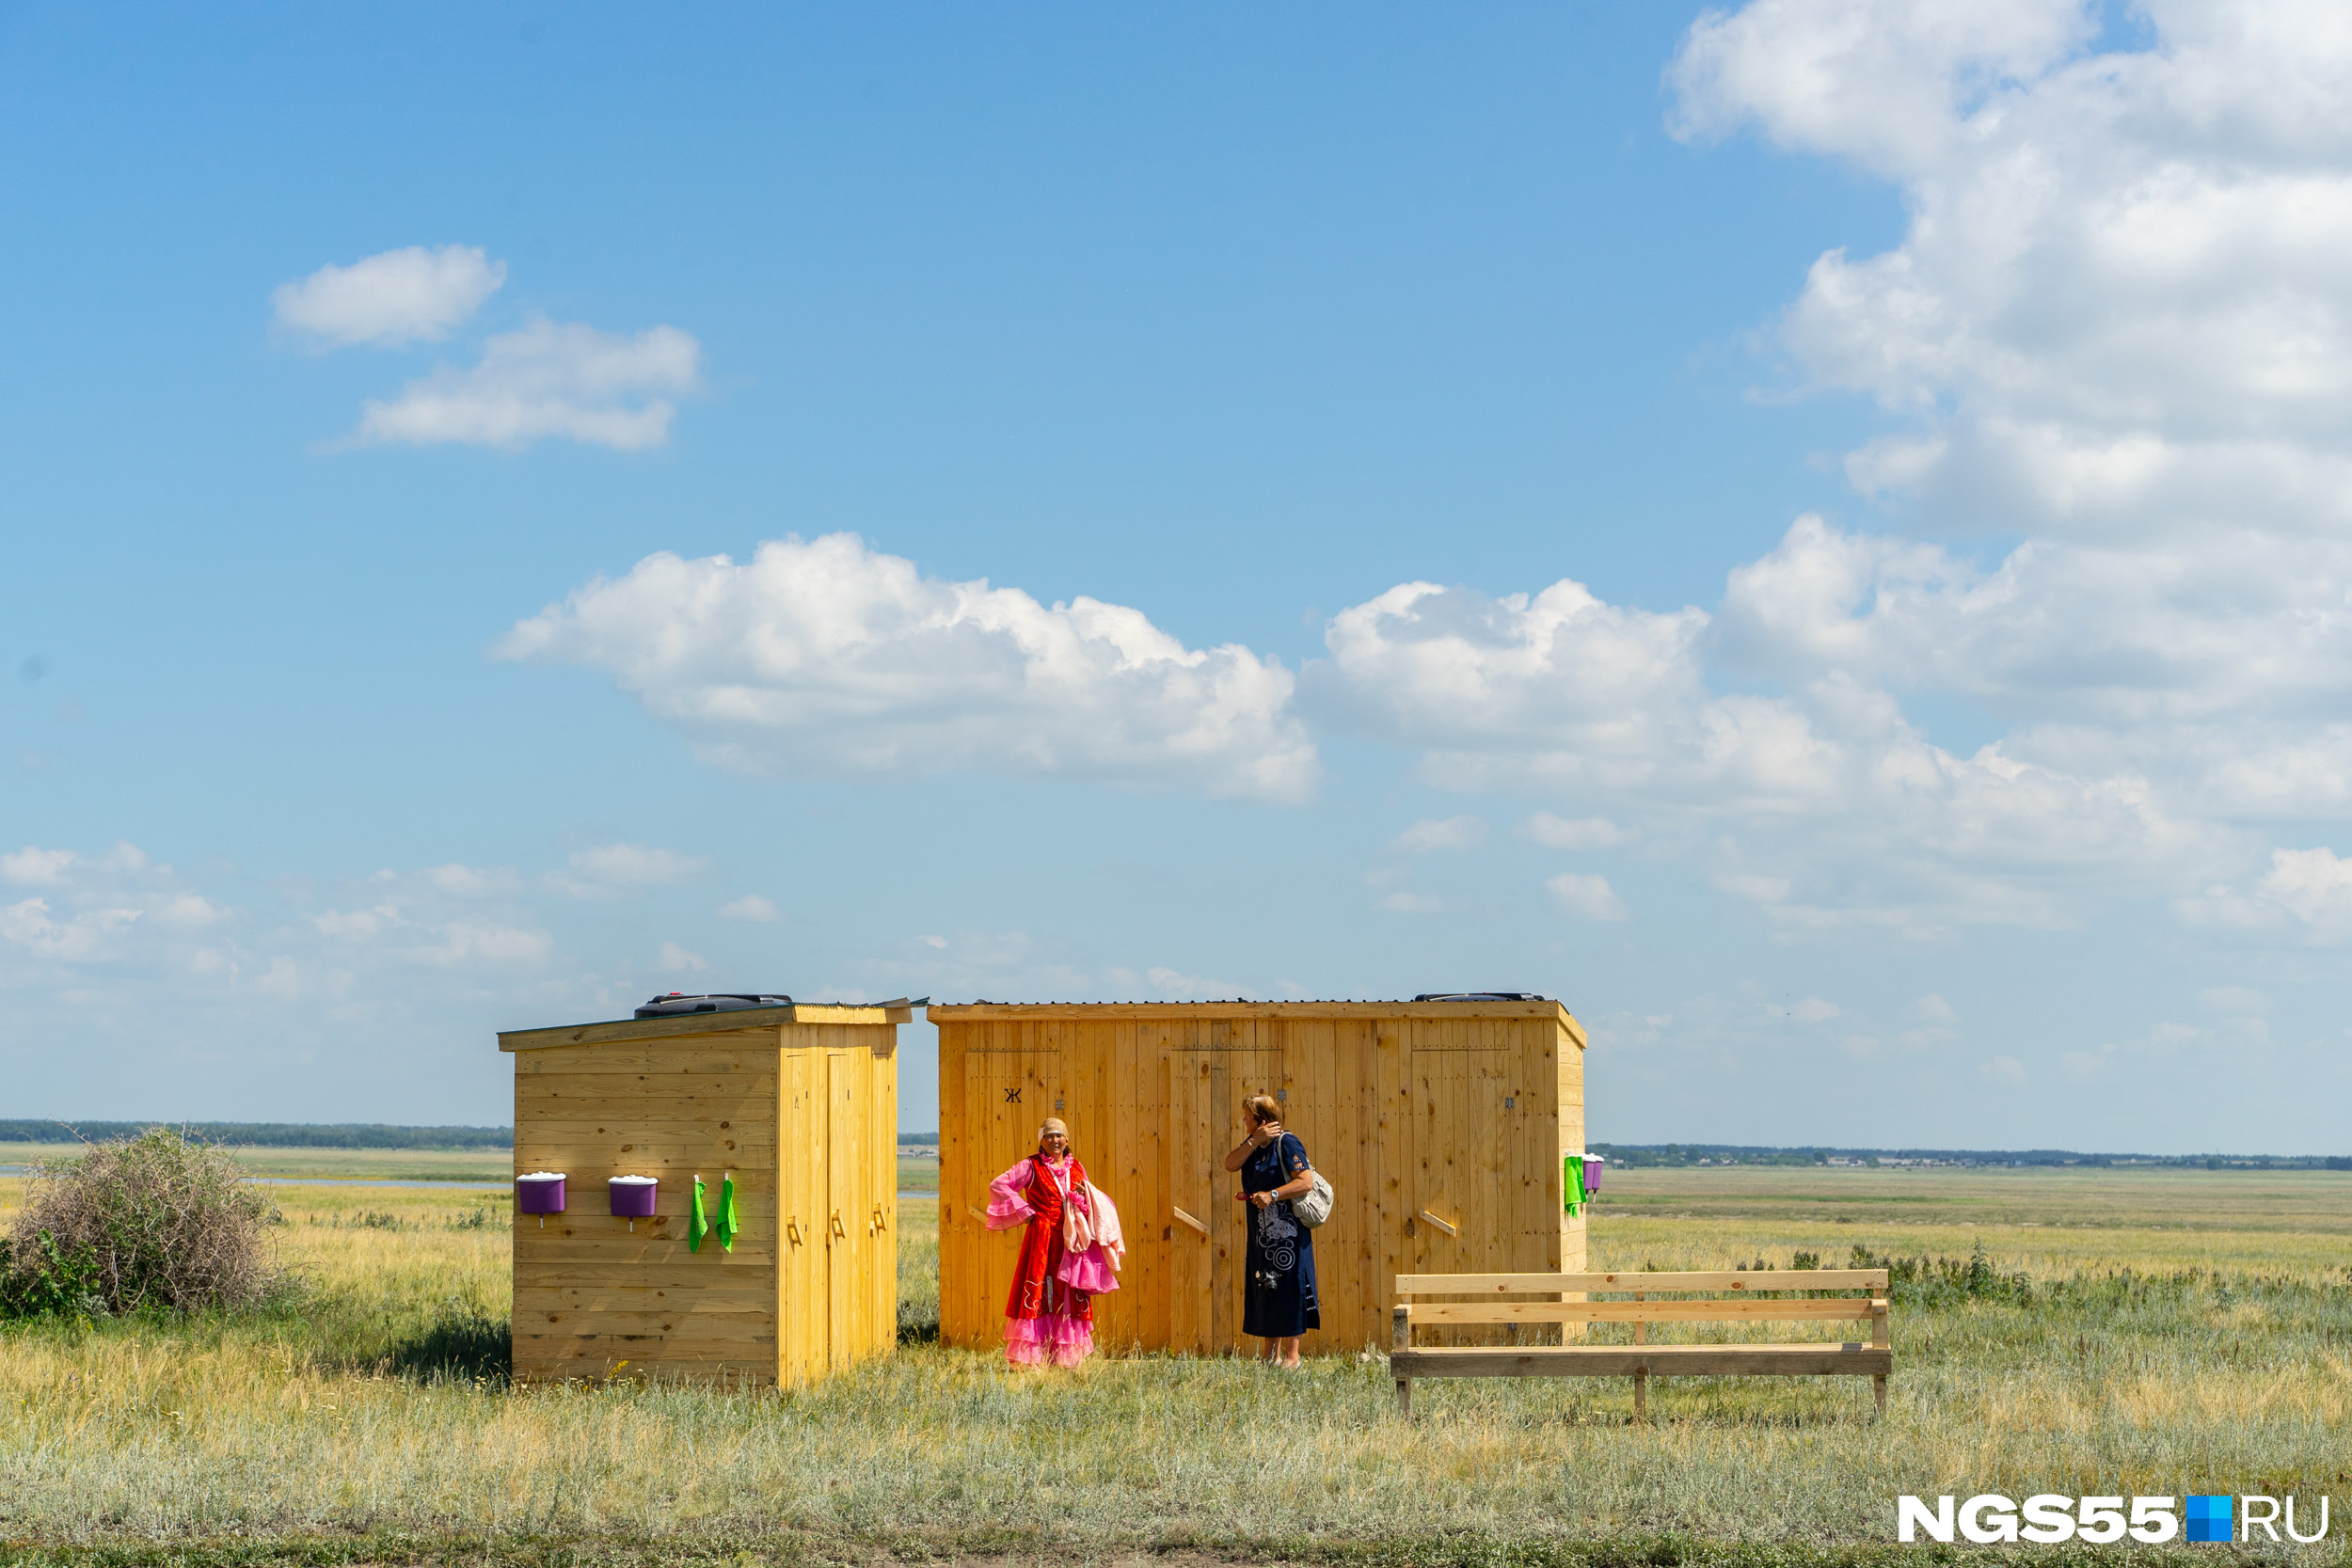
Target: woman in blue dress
(1279, 1304)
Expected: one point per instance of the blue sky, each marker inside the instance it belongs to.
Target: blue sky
(1881, 655)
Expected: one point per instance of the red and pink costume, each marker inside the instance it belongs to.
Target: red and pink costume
(1044, 1318)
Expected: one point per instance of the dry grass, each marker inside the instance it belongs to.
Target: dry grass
(345, 1416)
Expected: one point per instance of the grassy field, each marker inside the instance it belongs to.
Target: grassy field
(397, 1165)
(337, 1164)
(2182, 1331)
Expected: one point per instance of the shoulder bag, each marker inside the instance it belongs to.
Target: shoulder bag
(1313, 1206)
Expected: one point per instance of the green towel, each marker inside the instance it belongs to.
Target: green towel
(729, 1221)
(1572, 1180)
(698, 1223)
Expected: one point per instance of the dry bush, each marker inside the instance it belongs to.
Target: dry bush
(152, 1221)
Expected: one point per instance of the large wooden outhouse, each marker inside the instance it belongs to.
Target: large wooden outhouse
(1442, 1126)
(799, 1104)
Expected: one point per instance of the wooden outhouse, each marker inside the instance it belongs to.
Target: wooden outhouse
(799, 1105)
(1441, 1126)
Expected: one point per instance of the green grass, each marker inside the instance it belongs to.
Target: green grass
(492, 1166)
(2177, 1336)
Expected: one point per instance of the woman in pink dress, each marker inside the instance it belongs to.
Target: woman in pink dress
(1046, 1317)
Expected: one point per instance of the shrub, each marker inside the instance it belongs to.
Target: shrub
(151, 1221)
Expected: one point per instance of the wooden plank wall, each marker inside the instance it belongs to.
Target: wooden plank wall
(589, 1295)
(1465, 1118)
(806, 1119)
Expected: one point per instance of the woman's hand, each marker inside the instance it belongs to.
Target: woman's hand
(1265, 1132)
(1255, 1200)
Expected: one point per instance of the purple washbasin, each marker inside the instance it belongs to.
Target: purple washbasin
(540, 1193)
(632, 1196)
(1593, 1166)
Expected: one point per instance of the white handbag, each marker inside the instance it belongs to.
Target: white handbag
(1313, 1206)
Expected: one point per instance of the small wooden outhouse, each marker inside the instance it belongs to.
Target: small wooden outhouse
(1442, 1126)
(799, 1105)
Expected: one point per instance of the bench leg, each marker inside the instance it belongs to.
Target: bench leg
(1878, 1389)
(1405, 1397)
(1640, 1396)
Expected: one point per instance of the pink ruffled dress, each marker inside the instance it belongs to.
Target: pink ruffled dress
(1045, 1318)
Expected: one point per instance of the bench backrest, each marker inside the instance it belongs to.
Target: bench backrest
(1764, 1296)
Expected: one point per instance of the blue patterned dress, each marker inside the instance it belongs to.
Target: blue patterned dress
(1279, 1301)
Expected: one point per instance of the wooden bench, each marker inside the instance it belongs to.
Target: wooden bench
(1767, 1297)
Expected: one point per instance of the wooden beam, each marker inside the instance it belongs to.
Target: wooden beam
(1188, 1222)
(1441, 1224)
(1550, 1284)
(1748, 1309)
(682, 1024)
(1138, 1011)
(1401, 1342)
(1661, 1360)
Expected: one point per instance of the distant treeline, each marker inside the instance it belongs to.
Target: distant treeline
(1748, 1154)
(269, 1134)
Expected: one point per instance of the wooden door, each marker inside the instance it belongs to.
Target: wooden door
(1010, 1087)
(848, 1239)
(1472, 1123)
(803, 1319)
(1229, 1063)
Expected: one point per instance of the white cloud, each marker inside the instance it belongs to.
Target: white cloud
(1807, 1010)
(465, 881)
(1587, 897)
(1410, 903)
(398, 296)
(97, 911)
(2118, 325)
(548, 379)
(36, 867)
(1450, 832)
(1449, 666)
(1934, 1009)
(827, 657)
(675, 959)
(1826, 804)
(2306, 893)
(396, 934)
(611, 870)
(2119, 322)
(1192, 987)
(1561, 832)
(751, 907)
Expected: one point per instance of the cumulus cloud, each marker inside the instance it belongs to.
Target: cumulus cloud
(390, 299)
(674, 959)
(2306, 893)
(1825, 804)
(751, 907)
(36, 867)
(612, 870)
(1449, 833)
(1561, 832)
(548, 379)
(2119, 310)
(2117, 326)
(113, 910)
(1587, 897)
(825, 657)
